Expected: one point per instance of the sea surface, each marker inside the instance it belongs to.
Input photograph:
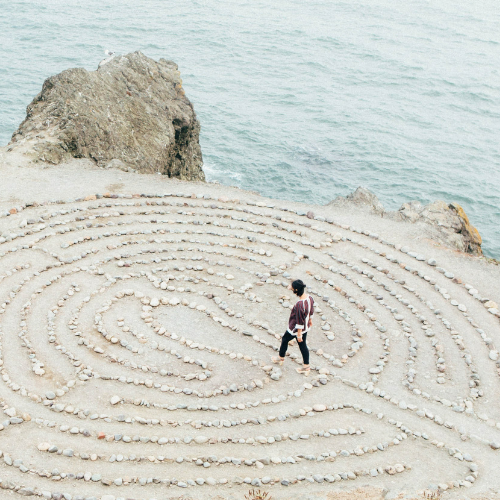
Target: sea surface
(301, 100)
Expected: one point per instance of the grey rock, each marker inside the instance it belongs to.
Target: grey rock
(26, 492)
(132, 111)
(445, 223)
(361, 198)
(7, 485)
(450, 225)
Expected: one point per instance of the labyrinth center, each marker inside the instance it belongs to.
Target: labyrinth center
(136, 338)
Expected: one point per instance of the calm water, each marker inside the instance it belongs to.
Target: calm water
(302, 100)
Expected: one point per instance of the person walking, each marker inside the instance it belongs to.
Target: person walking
(299, 324)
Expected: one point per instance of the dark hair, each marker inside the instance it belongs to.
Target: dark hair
(298, 287)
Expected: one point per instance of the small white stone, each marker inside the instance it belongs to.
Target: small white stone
(319, 407)
(115, 400)
(11, 412)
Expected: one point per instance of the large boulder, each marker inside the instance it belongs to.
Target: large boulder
(132, 111)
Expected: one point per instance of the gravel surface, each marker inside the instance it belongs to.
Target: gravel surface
(138, 316)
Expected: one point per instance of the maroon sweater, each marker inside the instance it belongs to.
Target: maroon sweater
(299, 317)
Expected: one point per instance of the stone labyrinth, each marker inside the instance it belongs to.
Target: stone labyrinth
(136, 336)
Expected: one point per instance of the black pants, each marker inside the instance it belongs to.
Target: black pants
(302, 346)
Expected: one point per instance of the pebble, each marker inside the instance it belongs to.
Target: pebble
(319, 407)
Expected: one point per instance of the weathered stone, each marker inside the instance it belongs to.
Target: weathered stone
(132, 109)
(201, 439)
(361, 198)
(451, 224)
(319, 407)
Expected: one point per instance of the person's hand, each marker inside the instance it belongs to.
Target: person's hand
(299, 338)
(310, 323)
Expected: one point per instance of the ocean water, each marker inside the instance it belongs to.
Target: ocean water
(301, 100)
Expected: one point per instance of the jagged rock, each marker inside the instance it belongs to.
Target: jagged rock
(131, 112)
(363, 198)
(454, 226)
(472, 238)
(450, 224)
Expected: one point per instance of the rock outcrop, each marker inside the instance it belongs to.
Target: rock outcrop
(132, 112)
(449, 221)
(363, 198)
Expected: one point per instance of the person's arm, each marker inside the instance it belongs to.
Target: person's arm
(301, 317)
(312, 312)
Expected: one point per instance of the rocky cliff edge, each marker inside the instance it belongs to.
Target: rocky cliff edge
(448, 223)
(131, 113)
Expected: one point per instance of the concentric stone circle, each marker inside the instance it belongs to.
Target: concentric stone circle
(136, 337)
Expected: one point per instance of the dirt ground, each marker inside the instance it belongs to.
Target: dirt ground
(137, 331)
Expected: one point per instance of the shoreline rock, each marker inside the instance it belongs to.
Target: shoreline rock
(449, 222)
(132, 112)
